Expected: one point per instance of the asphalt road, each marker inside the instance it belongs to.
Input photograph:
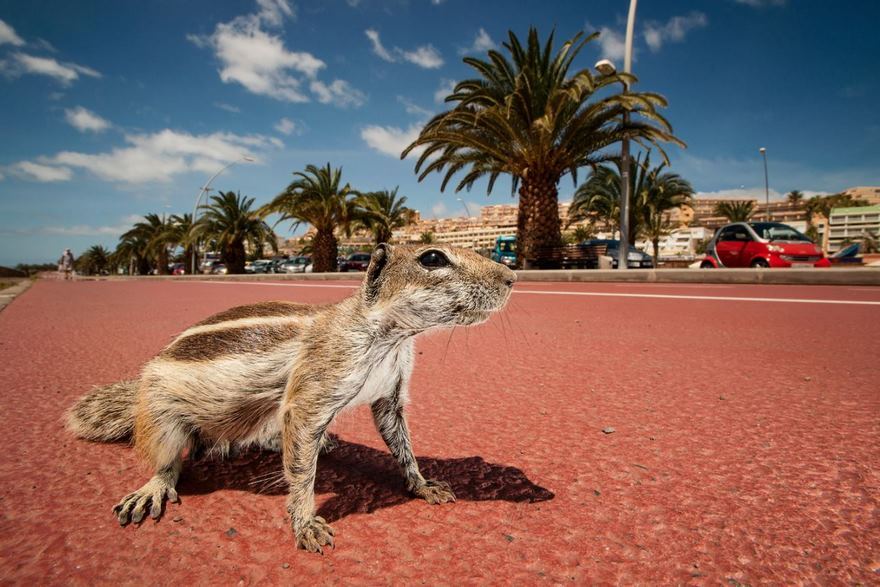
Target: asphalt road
(745, 447)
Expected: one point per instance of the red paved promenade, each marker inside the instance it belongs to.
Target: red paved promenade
(746, 445)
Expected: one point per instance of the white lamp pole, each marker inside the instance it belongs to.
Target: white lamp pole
(763, 152)
(204, 190)
(605, 67)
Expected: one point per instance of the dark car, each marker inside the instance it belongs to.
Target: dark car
(355, 262)
(848, 255)
(636, 259)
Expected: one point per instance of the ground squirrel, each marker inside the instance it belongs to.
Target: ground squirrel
(279, 372)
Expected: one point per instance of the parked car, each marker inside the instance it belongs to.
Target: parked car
(848, 255)
(212, 266)
(296, 265)
(178, 269)
(635, 259)
(762, 244)
(355, 262)
(505, 250)
(259, 266)
(219, 269)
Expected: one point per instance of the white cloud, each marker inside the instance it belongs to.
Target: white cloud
(413, 108)
(66, 73)
(259, 60)
(391, 140)
(439, 209)
(612, 44)
(156, 157)
(85, 120)
(227, 107)
(273, 12)
(285, 126)
(339, 93)
(447, 86)
(762, 3)
(40, 172)
(482, 43)
(124, 225)
(673, 30)
(378, 48)
(425, 56)
(8, 35)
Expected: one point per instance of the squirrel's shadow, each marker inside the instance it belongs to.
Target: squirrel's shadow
(361, 479)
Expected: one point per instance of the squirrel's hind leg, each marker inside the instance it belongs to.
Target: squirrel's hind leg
(133, 506)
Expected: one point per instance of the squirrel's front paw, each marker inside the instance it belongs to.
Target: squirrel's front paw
(314, 534)
(434, 491)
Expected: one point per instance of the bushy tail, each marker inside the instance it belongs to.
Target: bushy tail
(106, 413)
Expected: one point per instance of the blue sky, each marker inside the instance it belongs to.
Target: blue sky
(110, 110)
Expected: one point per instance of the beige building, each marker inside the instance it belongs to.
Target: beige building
(850, 224)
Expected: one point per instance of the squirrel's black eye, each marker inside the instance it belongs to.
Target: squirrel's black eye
(433, 260)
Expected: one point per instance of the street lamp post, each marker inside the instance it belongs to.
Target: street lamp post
(466, 209)
(204, 190)
(607, 68)
(763, 152)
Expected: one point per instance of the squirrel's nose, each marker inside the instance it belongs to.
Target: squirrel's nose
(509, 277)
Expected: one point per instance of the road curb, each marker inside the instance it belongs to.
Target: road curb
(10, 293)
(853, 276)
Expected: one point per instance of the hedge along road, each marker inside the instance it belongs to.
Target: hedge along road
(744, 444)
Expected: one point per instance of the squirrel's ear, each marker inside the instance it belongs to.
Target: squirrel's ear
(378, 261)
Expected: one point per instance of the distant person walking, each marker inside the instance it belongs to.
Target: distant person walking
(65, 263)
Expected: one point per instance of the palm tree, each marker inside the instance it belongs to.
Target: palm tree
(526, 117)
(382, 212)
(658, 192)
(150, 233)
(178, 233)
(229, 221)
(426, 238)
(581, 234)
(131, 253)
(317, 197)
(95, 260)
(869, 242)
(795, 197)
(598, 197)
(736, 210)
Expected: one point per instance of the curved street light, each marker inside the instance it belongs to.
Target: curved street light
(763, 151)
(606, 67)
(204, 190)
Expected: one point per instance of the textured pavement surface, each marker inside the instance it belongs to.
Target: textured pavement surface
(745, 448)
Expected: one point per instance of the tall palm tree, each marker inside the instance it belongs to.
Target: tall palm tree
(229, 221)
(317, 197)
(426, 238)
(736, 210)
(526, 117)
(177, 233)
(598, 197)
(150, 232)
(132, 253)
(658, 192)
(381, 212)
(795, 197)
(95, 260)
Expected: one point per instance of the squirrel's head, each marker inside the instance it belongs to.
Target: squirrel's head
(422, 286)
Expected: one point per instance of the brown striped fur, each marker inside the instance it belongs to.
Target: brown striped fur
(278, 373)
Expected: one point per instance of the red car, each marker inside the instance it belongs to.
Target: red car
(355, 262)
(762, 244)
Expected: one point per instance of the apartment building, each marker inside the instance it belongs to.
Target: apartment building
(849, 224)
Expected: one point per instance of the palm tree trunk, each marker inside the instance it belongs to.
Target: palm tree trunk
(162, 261)
(234, 258)
(538, 223)
(656, 242)
(324, 251)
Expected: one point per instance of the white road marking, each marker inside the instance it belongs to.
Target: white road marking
(686, 297)
(596, 294)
